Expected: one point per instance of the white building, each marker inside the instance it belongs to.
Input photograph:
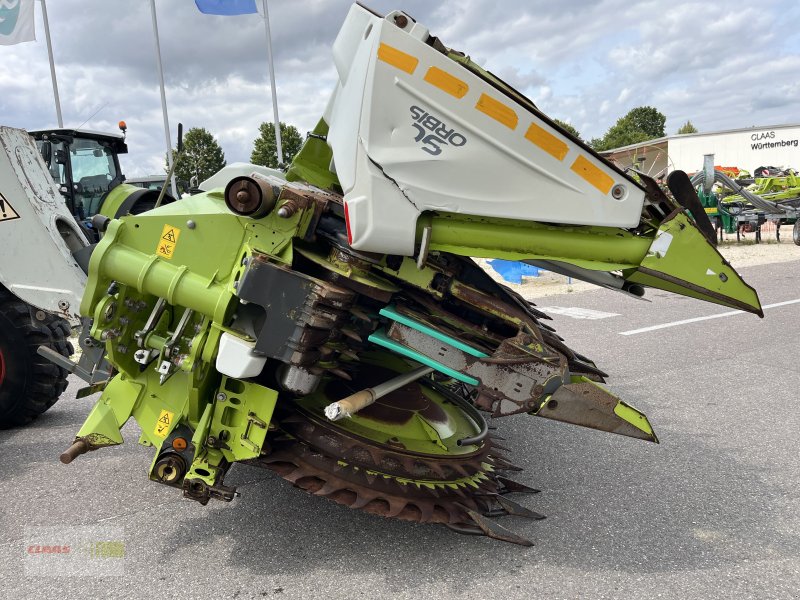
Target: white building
(747, 149)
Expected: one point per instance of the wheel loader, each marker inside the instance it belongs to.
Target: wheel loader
(330, 324)
(52, 182)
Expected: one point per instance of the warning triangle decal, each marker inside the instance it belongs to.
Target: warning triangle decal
(7, 213)
(169, 236)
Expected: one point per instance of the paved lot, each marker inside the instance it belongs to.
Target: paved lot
(711, 512)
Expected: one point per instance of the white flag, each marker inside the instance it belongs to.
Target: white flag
(16, 22)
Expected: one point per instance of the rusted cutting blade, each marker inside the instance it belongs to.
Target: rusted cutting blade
(495, 531)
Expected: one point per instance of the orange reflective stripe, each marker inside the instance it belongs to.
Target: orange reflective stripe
(594, 175)
(446, 82)
(498, 111)
(547, 141)
(397, 58)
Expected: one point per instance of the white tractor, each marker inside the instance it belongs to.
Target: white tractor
(52, 183)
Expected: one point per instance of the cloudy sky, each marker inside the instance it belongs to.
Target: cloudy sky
(583, 61)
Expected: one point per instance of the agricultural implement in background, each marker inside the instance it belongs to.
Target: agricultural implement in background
(749, 203)
(330, 325)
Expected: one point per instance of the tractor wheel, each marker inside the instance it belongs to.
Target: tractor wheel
(796, 232)
(29, 383)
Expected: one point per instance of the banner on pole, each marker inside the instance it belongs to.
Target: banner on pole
(226, 7)
(16, 22)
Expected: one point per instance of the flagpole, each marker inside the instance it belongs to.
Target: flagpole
(278, 144)
(163, 98)
(52, 64)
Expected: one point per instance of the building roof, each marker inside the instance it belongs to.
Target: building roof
(698, 134)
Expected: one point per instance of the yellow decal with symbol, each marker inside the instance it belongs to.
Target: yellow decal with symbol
(168, 241)
(163, 423)
(7, 213)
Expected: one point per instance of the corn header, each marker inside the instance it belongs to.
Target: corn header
(329, 323)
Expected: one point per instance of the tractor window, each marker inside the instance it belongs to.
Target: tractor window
(56, 169)
(93, 170)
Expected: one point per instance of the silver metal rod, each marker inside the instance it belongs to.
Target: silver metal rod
(347, 407)
(167, 135)
(396, 383)
(278, 144)
(52, 64)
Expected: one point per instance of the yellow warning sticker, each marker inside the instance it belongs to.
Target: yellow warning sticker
(163, 423)
(7, 213)
(168, 241)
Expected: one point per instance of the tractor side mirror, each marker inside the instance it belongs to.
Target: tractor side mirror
(180, 137)
(47, 152)
(61, 157)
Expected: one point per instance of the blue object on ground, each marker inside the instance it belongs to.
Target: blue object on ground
(513, 271)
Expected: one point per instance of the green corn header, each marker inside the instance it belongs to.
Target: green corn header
(232, 324)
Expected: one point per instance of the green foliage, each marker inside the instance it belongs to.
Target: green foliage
(639, 125)
(201, 156)
(687, 128)
(265, 152)
(568, 127)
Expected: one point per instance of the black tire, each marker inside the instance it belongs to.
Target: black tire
(29, 383)
(796, 232)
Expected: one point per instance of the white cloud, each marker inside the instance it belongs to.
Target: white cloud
(584, 61)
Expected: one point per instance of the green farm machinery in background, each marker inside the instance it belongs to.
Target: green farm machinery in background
(747, 203)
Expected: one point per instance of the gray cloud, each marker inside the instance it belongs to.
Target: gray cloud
(583, 61)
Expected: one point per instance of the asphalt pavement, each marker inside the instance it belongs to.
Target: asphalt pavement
(713, 511)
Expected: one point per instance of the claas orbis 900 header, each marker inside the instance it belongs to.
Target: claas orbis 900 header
(330, 324)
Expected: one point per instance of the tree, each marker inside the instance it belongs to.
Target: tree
(639, 125)
(201, 156)
(648, 120)
(265, 152)
(568, 127)
(687, 128)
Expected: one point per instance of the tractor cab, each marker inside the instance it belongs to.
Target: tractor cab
(84, 164)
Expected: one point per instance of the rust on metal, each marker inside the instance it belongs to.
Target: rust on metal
(360, 474)
(590, 406)
(448, 322)
(512, 380)
(488, 303)
(721, 298)
(78, 447)
(396, 407)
